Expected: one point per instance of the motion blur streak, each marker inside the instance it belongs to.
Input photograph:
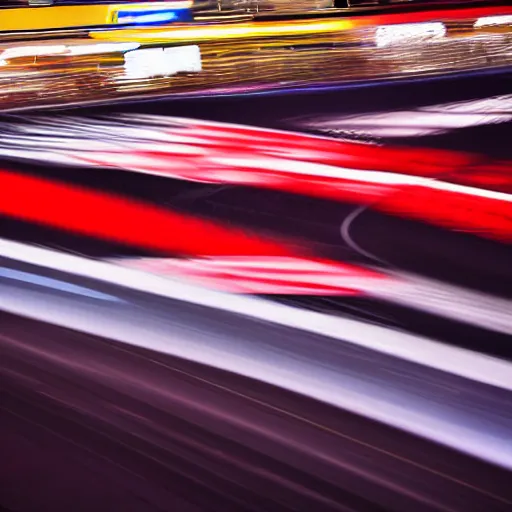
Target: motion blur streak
(287, 440)
(252, 343)
(56, 284)
(230, 31)
(420, 350)
(93, 213)
(280, 28)
(432, 120)
(158, 136)
(451, 14)
(433, 186)
(63, 50)
(258, 56)
(449, 301)
(408, 32)
(97, 214)
(266, 275)
(296, 276)
(490, 21)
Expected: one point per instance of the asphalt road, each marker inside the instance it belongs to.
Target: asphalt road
(88, 424)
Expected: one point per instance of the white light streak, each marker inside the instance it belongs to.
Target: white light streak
(161, 62)
(413, 348)
(387, 35)
(432, 120)
(489, 21)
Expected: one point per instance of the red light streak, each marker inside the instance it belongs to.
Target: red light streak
(452, 189)
(87, 212)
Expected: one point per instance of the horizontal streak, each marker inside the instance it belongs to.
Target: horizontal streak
(417, 349)
(113, 218)
(288, 28)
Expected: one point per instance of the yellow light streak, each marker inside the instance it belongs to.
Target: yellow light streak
(194, 33)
